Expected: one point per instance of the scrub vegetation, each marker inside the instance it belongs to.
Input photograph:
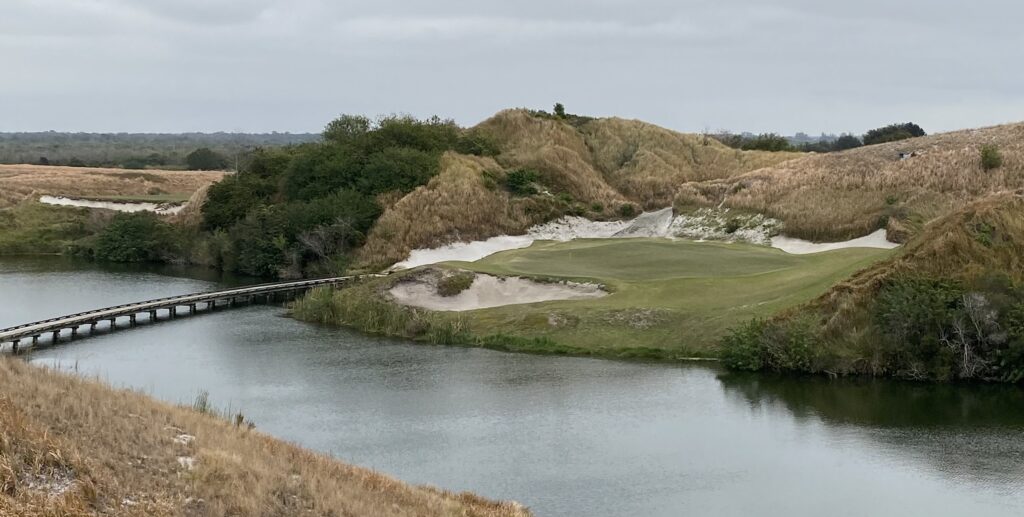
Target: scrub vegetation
(72, 446)
(669, 299)
(950, 306)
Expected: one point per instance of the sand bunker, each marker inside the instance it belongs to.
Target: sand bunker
(801, 247)
(703, 224)
(489, 291)
(159, 208)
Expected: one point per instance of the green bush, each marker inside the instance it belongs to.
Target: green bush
(627, 210)
(991, 158)
(767, 142)
(521, 182)
(136, 237)
(783, 345)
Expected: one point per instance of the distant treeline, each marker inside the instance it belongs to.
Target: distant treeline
(775, 142)
(135, 150)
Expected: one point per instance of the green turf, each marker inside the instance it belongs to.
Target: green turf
(679, 295)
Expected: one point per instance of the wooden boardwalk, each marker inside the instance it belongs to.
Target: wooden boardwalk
(55, 328)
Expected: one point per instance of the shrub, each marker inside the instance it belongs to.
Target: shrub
(627, 210)
(991, 158)
(783, 345)
(136, 237)
(520, 182)
(453, 285)
(767, 142)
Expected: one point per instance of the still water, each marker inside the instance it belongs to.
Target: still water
(565, 436)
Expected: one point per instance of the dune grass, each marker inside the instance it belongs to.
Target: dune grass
(844, 195)
(593, 170)
(75, 447)
(669, 299)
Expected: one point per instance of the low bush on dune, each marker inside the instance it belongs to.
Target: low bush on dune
(453, 285)
(991, 158)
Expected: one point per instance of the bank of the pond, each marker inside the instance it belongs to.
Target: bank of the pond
(669, 299)
(75, 447)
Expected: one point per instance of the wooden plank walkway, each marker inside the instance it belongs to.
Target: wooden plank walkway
(211, 300)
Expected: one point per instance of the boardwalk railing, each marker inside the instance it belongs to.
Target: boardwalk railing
(212, 301)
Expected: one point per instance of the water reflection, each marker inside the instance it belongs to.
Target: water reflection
(967, 432)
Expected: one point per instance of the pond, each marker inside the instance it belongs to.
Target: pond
(564, 436)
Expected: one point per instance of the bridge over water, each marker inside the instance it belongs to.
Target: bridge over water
(53, 330)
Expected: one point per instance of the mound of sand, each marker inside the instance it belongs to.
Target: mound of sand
(159, 208)
(801, 247)
(488, 291)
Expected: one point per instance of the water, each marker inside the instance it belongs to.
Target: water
(565, 436)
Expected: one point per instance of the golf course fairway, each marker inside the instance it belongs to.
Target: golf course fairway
(669, 299)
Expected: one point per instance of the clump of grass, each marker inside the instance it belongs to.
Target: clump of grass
(454, 284)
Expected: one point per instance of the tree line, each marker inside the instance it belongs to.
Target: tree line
(774, 142)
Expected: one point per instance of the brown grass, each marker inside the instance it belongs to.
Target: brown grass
(605, 163)
(76, 447)
(456, 205)
(21, 182)
(848, 194)
(985, 236)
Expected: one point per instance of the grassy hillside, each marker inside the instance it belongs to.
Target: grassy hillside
(19, 183)
(591, 167)
(669, 298)
(843, 195)
(950, 305)
(73, 447)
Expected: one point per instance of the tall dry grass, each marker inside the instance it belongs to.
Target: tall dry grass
(21, 182)
(848, 194)
(76, 447)
(984, 237)
(456, 205)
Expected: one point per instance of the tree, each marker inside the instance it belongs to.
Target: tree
(559, 110)
(136, 237)
(845, 142)
(893, 133)
(205, 159)
(346, 128)
(768, 142)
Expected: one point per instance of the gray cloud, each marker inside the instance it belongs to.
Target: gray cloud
(256, 65)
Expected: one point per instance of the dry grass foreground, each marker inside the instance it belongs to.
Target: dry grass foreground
(76, 447)
(843, 195)
(23, 182)
(604, 163)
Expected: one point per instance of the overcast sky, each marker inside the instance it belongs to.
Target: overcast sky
(292, 65)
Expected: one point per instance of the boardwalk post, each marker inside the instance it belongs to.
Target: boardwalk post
(74, 332)
(14, 345)
(35, 339)
(172, 312)
(92, 328)
(131, 320)
(192, 308)
(152, 315)
(113, 323)
(56, 335)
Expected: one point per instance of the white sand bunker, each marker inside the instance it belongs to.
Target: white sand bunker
(159, 208)
(488, 291)
(801, 247)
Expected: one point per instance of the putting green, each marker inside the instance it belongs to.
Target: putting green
(666, 294)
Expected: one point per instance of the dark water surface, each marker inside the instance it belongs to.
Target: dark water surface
(565, 436)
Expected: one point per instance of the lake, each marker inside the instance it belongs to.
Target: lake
(564, 436)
